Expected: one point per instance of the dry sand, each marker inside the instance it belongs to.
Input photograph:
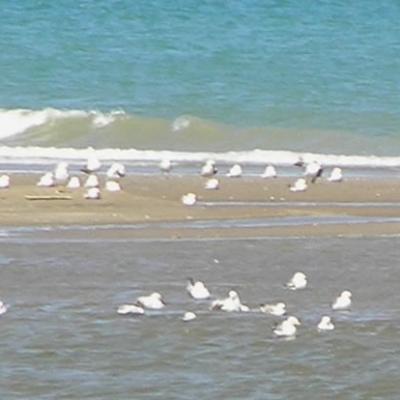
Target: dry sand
(156, 199)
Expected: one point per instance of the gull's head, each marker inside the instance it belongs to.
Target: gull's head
(156, 295)
(293, 321)
(299, 275)
(346, 294)
(233, 295)
(325, 320)
(281, 305)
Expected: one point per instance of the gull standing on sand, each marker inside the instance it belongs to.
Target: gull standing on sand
(92, 194)
(287, 328)
(343, 302)
(235, 171)
(336, 175)
(47, 180)
(189, 316)
(4, 182)
(154, 301)
(212, 184)
(130, 309)
(113, 186)
(165, 166)
(189, 199)
(61, 173)
(313, 170)
(116, 171)
(269, 172)
(74, 183)
(299, 186)
(208, 169)
(326, 324)
(298, 281)
(197, 290)
(278, 309)
(92, 181)
(229, 304)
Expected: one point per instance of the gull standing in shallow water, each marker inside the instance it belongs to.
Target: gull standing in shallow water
(212, 184)
(165, 166)
(113, 186)
(287, 328)
(130, 309)
(278, 309)
(61, 173)
(197, 290)
(3, 308)
(189, 316)
(298, 281)
(93, 164)
(229, 304)
(343, 302)
(116, 171)
(154, 301)
(74, 183)
(326, 324)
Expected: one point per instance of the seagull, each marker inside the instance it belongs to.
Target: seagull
(154, 301)
(47, 180)
(92, 181)
(197, 290)
(269, 172)
(235, 171)
(299, 186)
(74, 183)
(336, 175)
(93, 194)
(208, 169)
(298, 281)
(116, 171)
(165, 166)
(4, 182)
(189, 316)
(326, 324)
(343, 302)
(212, 184)
(189, 199)
(113, 186)
(61, 173)
(278, 309)
(92, 164)
(3, 308)
(230, 303)
(130, 309)
(313, 170)
(287, 328)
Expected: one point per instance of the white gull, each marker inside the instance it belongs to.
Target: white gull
(197, 290)
(130, 309)
(230, 304)
(154, 301)
(189, 316)
(288, 327)
(343, 301)
(278, 309)
(326, 324)
(297, 281)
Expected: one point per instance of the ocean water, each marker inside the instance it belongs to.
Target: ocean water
(62, 338)
(195, 76)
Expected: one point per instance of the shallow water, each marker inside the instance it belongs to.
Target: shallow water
(62, 337)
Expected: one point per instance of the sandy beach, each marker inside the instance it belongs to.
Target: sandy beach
(157, 199)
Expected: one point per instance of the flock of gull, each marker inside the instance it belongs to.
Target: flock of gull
(232, 303)
(62, 176)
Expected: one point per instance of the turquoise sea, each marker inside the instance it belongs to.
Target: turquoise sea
(275, 75)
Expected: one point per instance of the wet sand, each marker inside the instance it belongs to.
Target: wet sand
(155, 199)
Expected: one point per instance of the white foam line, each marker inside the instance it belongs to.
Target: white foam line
(29, 154)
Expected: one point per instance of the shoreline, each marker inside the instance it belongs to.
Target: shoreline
(157, 199)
